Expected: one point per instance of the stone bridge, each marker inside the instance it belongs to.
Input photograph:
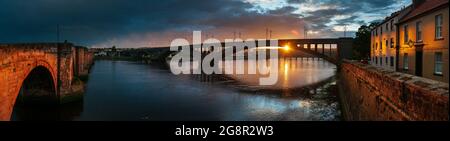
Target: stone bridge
(40, 73)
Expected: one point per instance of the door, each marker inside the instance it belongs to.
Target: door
(419, 56)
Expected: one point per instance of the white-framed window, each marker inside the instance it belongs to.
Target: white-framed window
(419, 31)
(438, 26)
(405, 61)
(438, 63)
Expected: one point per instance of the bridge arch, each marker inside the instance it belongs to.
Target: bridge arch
(35, 85)
(38, 88)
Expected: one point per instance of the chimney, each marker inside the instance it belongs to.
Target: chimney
(416, 3)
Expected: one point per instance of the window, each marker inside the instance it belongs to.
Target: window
(381, 61)
(381, 45)
(405, 34)
(386, 61)
(392, 42)
(438, 63)
(381, 30)
(405, 61)
(419, 31)
(392, 24)
(387, 26)
(392, 61)
(376, 60)
(387, 43)
(376, 46)
(438, 26)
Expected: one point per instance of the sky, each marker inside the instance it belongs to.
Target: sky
(153, 23)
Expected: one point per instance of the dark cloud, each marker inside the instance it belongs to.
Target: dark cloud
(92, 22)
(344, 12)
(296, 1)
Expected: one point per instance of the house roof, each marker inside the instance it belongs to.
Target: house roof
(424, 7)
(400, 13)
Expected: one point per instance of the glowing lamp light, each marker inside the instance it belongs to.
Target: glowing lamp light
(286, 48)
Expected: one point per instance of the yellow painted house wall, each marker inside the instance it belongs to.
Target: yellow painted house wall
(380, 40)
(431, 45)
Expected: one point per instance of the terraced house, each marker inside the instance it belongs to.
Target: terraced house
(384, 40)
(419, 43)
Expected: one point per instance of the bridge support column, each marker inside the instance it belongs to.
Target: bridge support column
(323, 49)
(331, 51)
(315, 47)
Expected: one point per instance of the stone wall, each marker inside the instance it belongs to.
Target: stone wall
(369, 93)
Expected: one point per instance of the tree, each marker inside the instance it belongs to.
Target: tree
(361, 44)
(113, 49)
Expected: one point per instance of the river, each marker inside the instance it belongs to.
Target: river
(124, 91)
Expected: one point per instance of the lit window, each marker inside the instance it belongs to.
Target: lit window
(387, 43)
(392, 42)
(438, 63)
(405, 34)
(405, 61)
(381, 45)
(439, 23)
(419, 31)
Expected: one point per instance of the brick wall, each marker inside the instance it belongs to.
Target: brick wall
(369, 93)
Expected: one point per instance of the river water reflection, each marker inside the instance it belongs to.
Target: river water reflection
(121, 90)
